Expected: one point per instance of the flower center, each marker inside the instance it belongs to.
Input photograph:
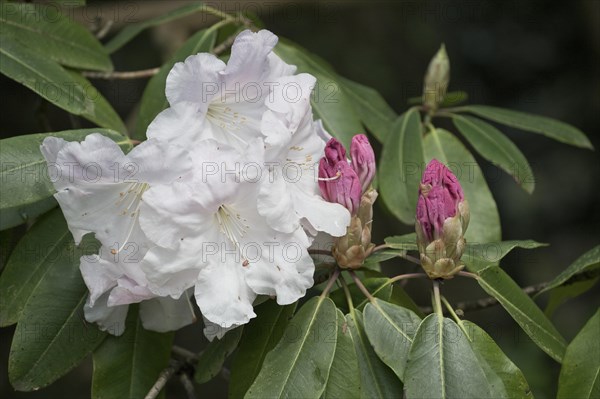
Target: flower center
(231, 224)
(223, 116)
(128, 204)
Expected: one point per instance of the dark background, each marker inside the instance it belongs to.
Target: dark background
(533, 56)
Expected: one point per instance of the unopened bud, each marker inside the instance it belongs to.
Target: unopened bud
(363, 160)
(340, 184)
(442, 218)
(437, 78)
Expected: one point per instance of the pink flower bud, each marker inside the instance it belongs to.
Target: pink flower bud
(363, 160)
(340, 184)
(334, 152)
(439, 196)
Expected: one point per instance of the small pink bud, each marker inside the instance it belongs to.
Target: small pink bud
(439, 196)
(340, 184)
(334, 152)
(363, 160)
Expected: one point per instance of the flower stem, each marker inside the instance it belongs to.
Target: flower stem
(470, 275)
(361, 286)
(330, 283)
(437, 305)
(455, 317)
(347, 294)
(407, 276)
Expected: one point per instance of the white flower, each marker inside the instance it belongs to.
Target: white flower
(289, 195)
(212, 237)
(210, 99)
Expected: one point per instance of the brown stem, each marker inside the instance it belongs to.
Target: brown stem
(330, 283)
(361, 286)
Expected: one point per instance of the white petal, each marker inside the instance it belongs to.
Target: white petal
(248, 61)
(167, 314)
(212, 330)
(322, 215)
(222, 294)
(99, 275)
(181, 124)
(128, 291)
(195, 80)
(109, 319)
(156, 162)
(276, 204)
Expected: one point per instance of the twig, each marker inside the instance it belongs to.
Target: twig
(103, 31)
(188, 385)
(468, 274)
(330, 283)
(361, 286)
(190, 356)
(145, 73)
(407, 276)
(380, 247)
(165, 375)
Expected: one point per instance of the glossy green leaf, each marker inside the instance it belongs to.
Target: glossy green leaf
(479, 257)
(441, 363)
(298, 367)
(494, 146)
(329, 101)
(585, 267)
(127, 366)
(580, 374)
(65, 89)
(401, 166)
(154, 100)
(505, 379)
(371, 108)
(132, 30)
(565, 292)
(52, 335)
(377, 286)
(344, 377)
(260, 336)
(47, 31)
(212, 359)
(549, 127)
(24, 174)
(376, 379)
(407, 242)
(390, 329)
(484, 225)
(523, 310)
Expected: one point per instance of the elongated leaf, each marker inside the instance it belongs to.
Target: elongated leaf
(402, 165)
(505, 379)
(407, 242)
(441, 363)
(479, 257)
(587, 265)
(565, 292)
(401, 298)
(580, 373)
(376, 379)
(212, 359)
(344, 377)
(523, 310)
(47, 32)
(391, 329)
(260, 336)
(496, 148)
(549, 127)
(24, 174)
(132, 30)
(298, 367)
(128, 366)
(52, 335)
(372, 109)
(484, 225)
(377, 286)
(154, 99)
(330, 102)
(65, 89)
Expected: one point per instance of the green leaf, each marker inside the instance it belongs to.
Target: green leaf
(401, 298)
(479, 257)
(402, 165)
(329, 101)
(212, 359)
(484, 225)
(391, 329)
(24, 174)
(65, 89)
(563, 293)
(407, 242)
(260, 336)
(344, 377)
(441, 363)
(154, 100)
(549, 127)
(129, 365)
(451, 99)
(505, 379)
(377, 286)
(585, 267)
(376, 379)
(494, 146)
(580, 373)
(132, 30)
(523, 310)
(298, 367)
(52, 335)
(50, 34)
(371, 108)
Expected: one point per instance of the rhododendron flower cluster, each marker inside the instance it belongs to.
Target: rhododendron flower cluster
(221, 202)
